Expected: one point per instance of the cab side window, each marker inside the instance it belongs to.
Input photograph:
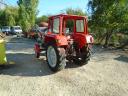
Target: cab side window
(56, 22)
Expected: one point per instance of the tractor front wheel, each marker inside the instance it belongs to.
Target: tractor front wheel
(55, 57)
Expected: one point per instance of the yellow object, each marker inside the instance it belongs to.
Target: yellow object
(11, 62)
(3, 59)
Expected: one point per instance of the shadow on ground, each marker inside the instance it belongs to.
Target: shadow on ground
(25, 65)
(28, 65)
(122, 58)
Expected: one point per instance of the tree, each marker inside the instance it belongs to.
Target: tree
(2, 18)
(43, 18)
(9, 16)
(27, 13)
(107, 17)
(75, 12)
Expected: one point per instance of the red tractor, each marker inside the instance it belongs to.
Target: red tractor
(67, 39)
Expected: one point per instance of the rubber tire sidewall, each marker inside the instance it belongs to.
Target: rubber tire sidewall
(61, 59)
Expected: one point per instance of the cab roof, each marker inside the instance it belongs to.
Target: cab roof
(68, 16)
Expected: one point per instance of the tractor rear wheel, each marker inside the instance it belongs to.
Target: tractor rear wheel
(85, 56)
(55, 57)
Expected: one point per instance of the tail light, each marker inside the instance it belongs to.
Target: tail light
(89, 39)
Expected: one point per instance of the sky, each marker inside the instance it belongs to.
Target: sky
(52, 7)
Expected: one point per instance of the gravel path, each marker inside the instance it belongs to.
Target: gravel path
(105, 75)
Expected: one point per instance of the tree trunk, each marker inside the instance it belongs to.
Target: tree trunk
(106, 41)
(107, 38)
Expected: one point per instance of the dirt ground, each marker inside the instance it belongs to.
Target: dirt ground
(105, 75)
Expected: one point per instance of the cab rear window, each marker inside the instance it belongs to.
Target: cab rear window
(79, 25)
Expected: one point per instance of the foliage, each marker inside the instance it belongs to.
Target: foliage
(2, 18)
(43, 18)
(27, 13)
(75, 12)
(9, 16)
(107, 18)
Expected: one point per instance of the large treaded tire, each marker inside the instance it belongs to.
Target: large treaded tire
(61, 59)
(84, 58)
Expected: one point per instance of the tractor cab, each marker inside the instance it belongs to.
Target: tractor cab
(67, 39)
(64, 27)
